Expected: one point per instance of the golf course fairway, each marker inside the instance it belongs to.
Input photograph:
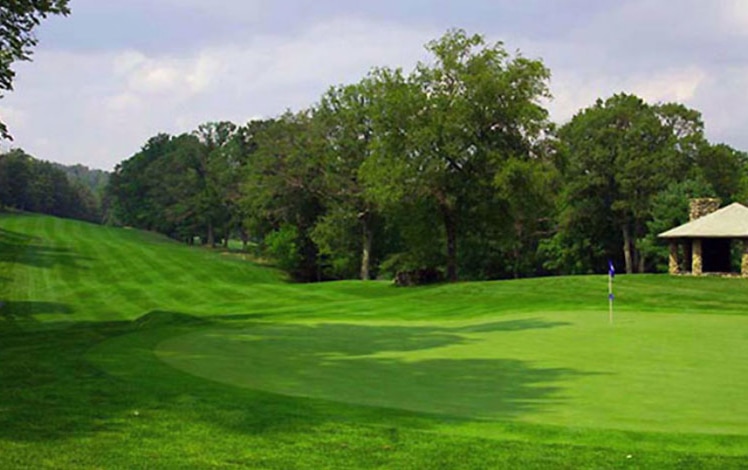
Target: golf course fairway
(123, 349)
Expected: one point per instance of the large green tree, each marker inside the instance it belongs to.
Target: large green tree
(726, 170)
(18, 19)
(345, 115)
(447, 130)
(218, 172)
(620, 153)
(283, 192)
(132, 183)
(156, 188)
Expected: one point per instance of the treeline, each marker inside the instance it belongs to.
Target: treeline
(95, 180)
(28, 184)
(452, 168)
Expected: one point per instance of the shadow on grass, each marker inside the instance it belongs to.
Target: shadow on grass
(513, 325)
(105, 377)
(354, 339)
(23, 249)
(23, 308)
(17, 315)
(339, 362)
(241, 317)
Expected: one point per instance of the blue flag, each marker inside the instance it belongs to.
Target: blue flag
(611, 269)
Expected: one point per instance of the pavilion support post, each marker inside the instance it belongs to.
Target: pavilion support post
(744, 260)
(673, 265)
(696, 259)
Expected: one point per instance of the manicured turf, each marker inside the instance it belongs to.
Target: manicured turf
(686, 374)
(123, 349)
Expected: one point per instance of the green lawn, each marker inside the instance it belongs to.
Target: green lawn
(121, 349)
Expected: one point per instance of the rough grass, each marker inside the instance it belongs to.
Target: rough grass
(121, 349)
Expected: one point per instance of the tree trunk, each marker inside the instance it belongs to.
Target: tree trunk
(450, 226)
(211, 236)
(366, 251)
(638, 254)
(627, 250)
(245, 238)
(517, 249)
(642, 262)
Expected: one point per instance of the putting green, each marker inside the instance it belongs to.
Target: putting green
(648, 372)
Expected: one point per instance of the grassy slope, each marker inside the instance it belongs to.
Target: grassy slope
(86, 307)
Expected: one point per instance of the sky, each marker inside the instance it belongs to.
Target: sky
(116, 72)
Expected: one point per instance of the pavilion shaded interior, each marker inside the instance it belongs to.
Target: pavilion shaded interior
(716, 255)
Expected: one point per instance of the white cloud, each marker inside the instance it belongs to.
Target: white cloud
(100, 107)
(127, 61)
(224, 9)
(722, 101)
(123, 102)
(670, 85)
(575, 91)
(15, 115)
(166, 75)
(734, 15)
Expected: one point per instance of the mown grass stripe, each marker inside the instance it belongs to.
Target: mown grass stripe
(385, 377)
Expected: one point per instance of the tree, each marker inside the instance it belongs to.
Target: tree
(183, 186)
(175, 187)
(15, 178)
(132, 183)
(529, 189)
(447, 129)
(670, 208)
(349, 224)
(155, 189)
(93, 179)
(725, 169)
(31, 185)
(216, 167)
(620, 153)
(18, 18)
(282, 192)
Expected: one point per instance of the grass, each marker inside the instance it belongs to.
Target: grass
(121, 349)
(557, 369)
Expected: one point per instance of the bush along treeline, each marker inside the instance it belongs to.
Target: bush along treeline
(452, 170)
(32, 185)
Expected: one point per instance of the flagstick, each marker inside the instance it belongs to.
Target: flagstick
(610, 298)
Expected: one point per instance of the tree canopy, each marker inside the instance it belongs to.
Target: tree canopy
(451, 127)
(452, 167)
(32, 185)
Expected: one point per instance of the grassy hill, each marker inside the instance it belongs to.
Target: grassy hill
(122, 349)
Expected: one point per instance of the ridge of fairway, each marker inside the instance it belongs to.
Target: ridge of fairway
(56, 271)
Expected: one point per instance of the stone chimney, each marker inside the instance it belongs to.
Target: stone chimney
(703, 206)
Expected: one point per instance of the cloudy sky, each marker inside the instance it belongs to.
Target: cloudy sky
(117, 72)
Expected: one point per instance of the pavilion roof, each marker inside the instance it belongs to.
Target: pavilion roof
(728, 222)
